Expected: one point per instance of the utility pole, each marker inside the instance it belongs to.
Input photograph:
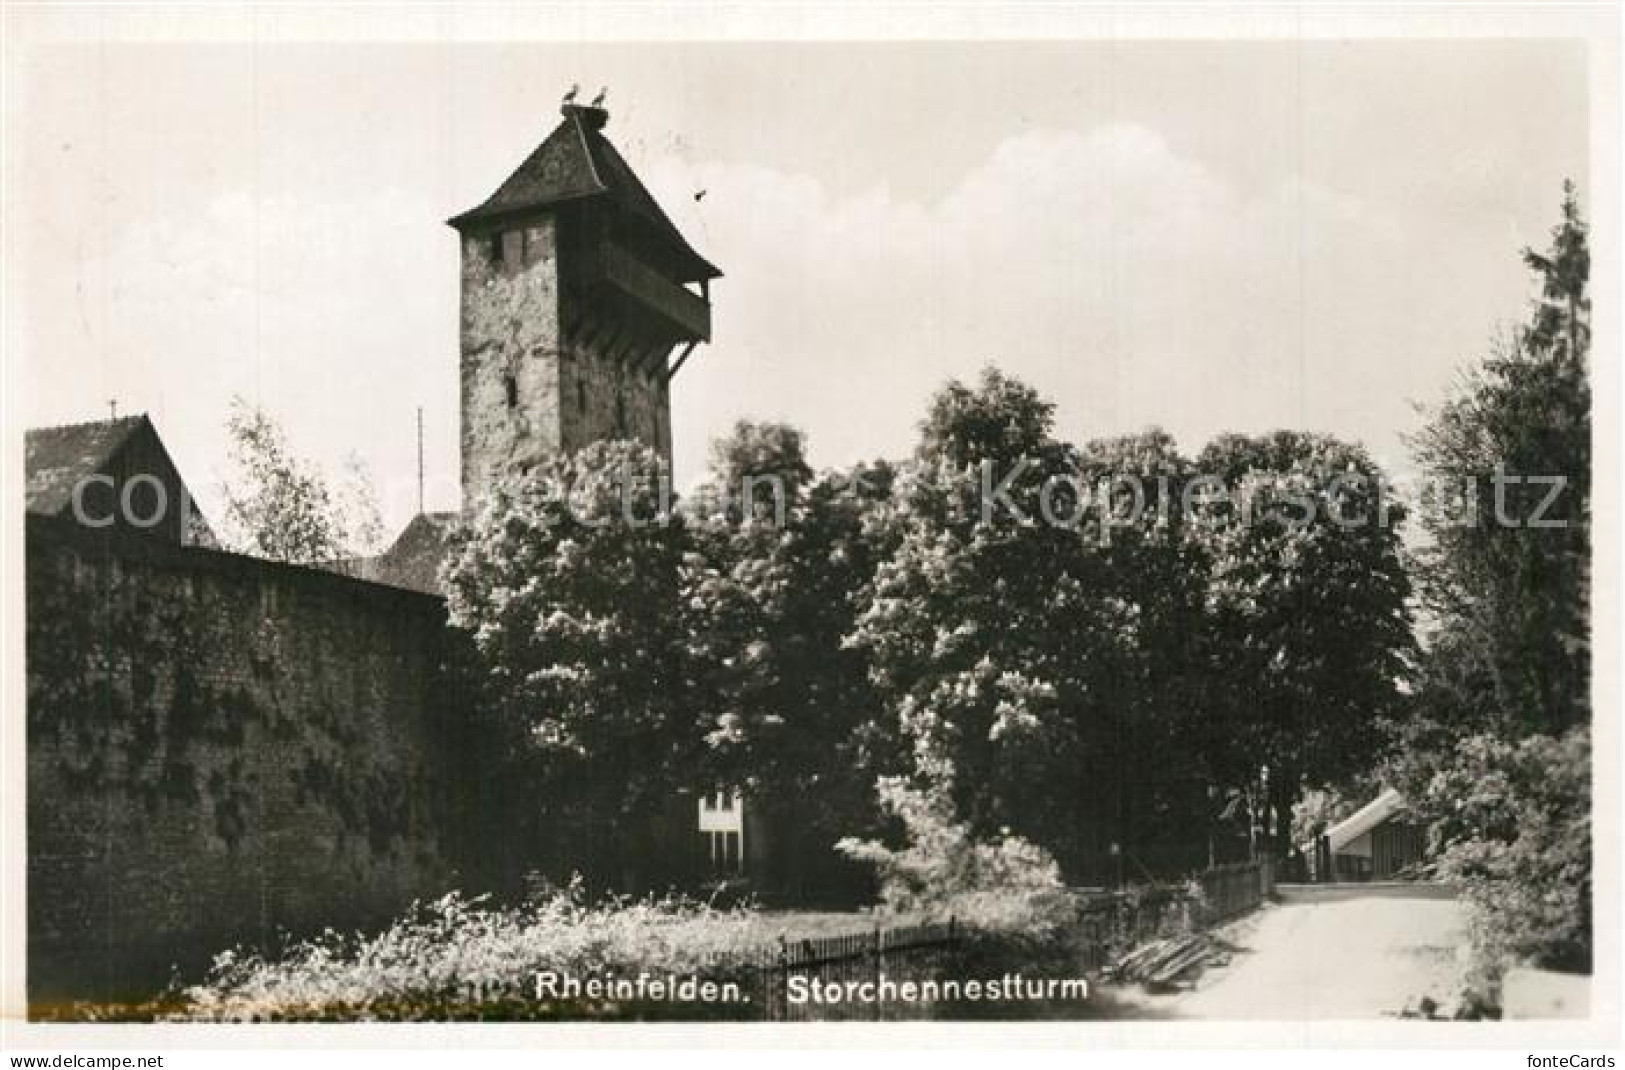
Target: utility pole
(112, 408)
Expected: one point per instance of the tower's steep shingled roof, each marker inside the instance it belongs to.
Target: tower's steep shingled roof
(575, 162)
(57, 458)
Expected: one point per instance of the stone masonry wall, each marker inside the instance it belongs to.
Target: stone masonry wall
(530, 389)
(220, 749)
(612, 399)
(510, 351)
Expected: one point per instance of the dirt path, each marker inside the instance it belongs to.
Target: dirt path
(1346, 958)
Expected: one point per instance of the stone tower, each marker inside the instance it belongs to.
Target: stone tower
(580, 302)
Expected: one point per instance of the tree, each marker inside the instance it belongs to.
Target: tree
(1560, 325)
(281, 507)
(1495, 756)
(1153, 778)
(783, 556)
(1307, 621)
(985, 626)
(569, 583)
(1506, 576)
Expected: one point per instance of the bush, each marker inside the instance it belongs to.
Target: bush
(1009, 885)
(1510, 823)
(457, 958)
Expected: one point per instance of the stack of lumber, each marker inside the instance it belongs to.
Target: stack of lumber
(1164, 962)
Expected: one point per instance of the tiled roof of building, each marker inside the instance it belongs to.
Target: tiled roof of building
(575, 162)
(413, 560)
(57, 458)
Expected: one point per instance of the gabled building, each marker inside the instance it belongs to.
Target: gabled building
(112, 474)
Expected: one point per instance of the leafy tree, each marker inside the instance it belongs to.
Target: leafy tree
(570, 584)
(1308, 624)
(281, 507)
(1001, 420)
(782, 557)
(1151, 777)
(985, 627)
(758, 473)
(359, 518)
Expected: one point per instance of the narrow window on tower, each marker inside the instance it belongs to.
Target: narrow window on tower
(512, 387)
(620, 415)
(495, 250)
(581, 396)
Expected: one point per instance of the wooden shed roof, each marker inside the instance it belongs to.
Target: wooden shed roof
(1366, 818)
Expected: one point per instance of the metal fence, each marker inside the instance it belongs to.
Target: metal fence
(822, 980)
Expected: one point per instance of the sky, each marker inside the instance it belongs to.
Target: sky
(1197, 236)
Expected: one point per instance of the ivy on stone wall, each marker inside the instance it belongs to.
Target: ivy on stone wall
(115, 695)
(131, 693)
